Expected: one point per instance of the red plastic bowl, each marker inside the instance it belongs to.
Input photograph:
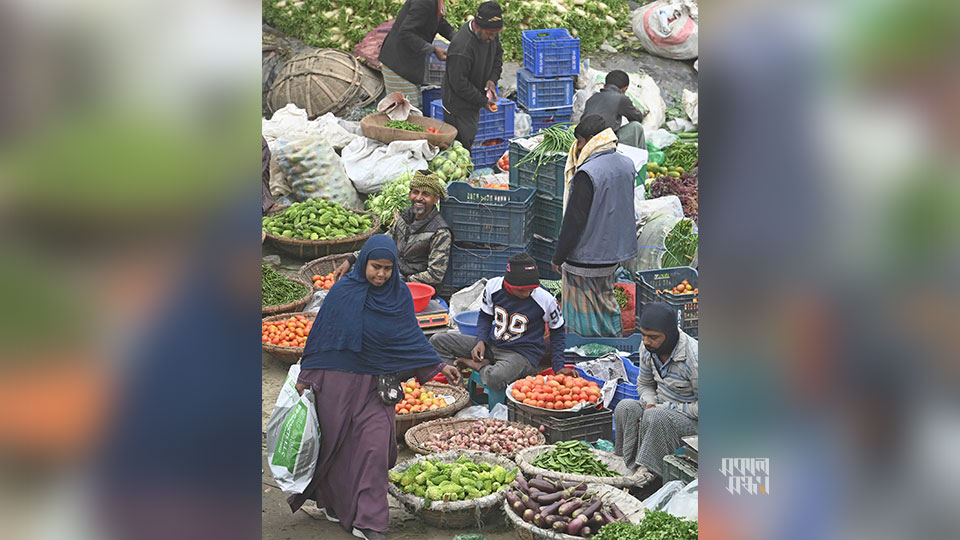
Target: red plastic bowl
(422, 294)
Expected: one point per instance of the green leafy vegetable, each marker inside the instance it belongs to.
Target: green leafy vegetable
(394, 196)
(404, 125)
(573, 457)
(622, 298)
(681, 245)
(656, 525)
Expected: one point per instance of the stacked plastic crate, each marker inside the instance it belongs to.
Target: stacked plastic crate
(494, 131)
(489, 226)
(548, 181)
(433, 78)
(551, 58)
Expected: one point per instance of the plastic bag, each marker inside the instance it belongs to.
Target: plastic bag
(467, 299)
(661, 138)
(662, 496)
(372, 164)
(680, 125)
(499, 411)
(684, 503)
(310, 168)
(668, 28)
(475, 411)
(643, 91)
(649, 209)
(522, 124)
(397, 107)
(316, 301)
(691, 105)
(293, 436)
(650, 241)
(291, 123)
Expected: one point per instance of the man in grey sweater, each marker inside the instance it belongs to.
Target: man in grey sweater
(612, 103)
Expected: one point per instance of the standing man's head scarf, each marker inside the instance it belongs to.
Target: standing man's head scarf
(425, 180)
(599, 139)
(659, 317)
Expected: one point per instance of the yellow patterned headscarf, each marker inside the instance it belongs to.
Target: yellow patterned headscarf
(605, 140)
(428, 181)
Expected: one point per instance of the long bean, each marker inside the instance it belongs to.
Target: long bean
(557, 138)
(278, 290)
(573, 457)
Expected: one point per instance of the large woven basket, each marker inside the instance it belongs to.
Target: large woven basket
(473, 513)
(416, 436)
(290, 355)
(311, 249)
(631, 506)
(627, 479)
(374, 126)
(461, 398)
(324, 80)
(296, 305)
(321, 266)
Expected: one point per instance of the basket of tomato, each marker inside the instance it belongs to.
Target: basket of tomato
(556, 395)
(426, 402)
(284, 336)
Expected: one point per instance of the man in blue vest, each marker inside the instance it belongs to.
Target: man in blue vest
(598, 231)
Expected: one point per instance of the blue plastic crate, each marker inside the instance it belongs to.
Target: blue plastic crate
(435, 67)
(429, 95)
(489, 216)
(470, 262)
(542, 249)
(548, 216)
(548, 179)
(492, 125)
(551, 53)
(544, 118)
(631, 344)
(650, 282)
(543, 92)
(487, 156)
(625, 390)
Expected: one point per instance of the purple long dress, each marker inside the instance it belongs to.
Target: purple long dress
(358, 447)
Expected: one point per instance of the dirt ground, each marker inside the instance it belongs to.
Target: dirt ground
(309, 524)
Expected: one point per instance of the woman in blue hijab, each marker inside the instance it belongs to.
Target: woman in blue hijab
(366, 328)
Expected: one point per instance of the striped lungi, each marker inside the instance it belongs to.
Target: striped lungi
(590, 306)
(395, 83)
(643, 437)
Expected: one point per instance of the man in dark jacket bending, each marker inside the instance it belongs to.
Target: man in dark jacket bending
(474, 64)
(409, 42)
(611, 103)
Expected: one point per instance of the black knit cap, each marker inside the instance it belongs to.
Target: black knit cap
(489, 15)
(522, 272)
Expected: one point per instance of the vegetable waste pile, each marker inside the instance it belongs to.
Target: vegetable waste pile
(290, 332)
(562, 507)
(489, 435)
(573, 457)
(343, 24)
(461, 480)
(278, 290)
(556, 392)
(316, 219)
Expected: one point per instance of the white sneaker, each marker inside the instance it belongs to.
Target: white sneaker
(330, 515)
(368, 534)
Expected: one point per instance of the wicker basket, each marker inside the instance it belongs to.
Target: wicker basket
(321, 266)
(417, 435)
(290, 355)
(292, 306)
(374, 126)
(324, 80)
(311, 249)
(632, 508)
(628, 479)
(461, 399)
(473, 513)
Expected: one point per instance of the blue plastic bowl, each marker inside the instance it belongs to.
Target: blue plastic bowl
(467, 322)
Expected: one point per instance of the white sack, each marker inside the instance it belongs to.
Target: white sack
(371, 164)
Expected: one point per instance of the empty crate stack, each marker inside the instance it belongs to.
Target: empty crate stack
(494, 131)
(551, 58)
(489, 226)
(433, 78)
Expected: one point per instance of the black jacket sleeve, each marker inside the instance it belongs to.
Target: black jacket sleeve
(629, 111)
(574, 217)
(419, 12)
(459, 66)
(497, 65)
(445, 29)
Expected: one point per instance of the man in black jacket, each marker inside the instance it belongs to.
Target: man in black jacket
(611, 103)
(474, 64)
(408, 44)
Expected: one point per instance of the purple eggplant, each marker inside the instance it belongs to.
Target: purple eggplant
(597, 520)
(551, 509)
(617, 513)
(568, 507)
(538, 520)
(586, 531)
(530, 503)
(550, 498)
(528, 515)
(560, 527)
(587, 510)
(542, 485)
(607, 517)
(522, 484)
(565, 484)
(577, 524)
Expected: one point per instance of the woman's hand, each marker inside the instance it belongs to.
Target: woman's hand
(300, 388)
(341, 271)
(451, 373)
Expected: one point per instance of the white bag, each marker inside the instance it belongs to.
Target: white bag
(309, 168)
(293, 436)
(522, 124)
(372, 164)
(691, 105)
(291, 123)
(467, 299)
(661, 138)
(668, 28)
(474, 411)
(684, 503)
(396, 107)
(663, 495)
(580, 98)
(649, 209)
(643, 91)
